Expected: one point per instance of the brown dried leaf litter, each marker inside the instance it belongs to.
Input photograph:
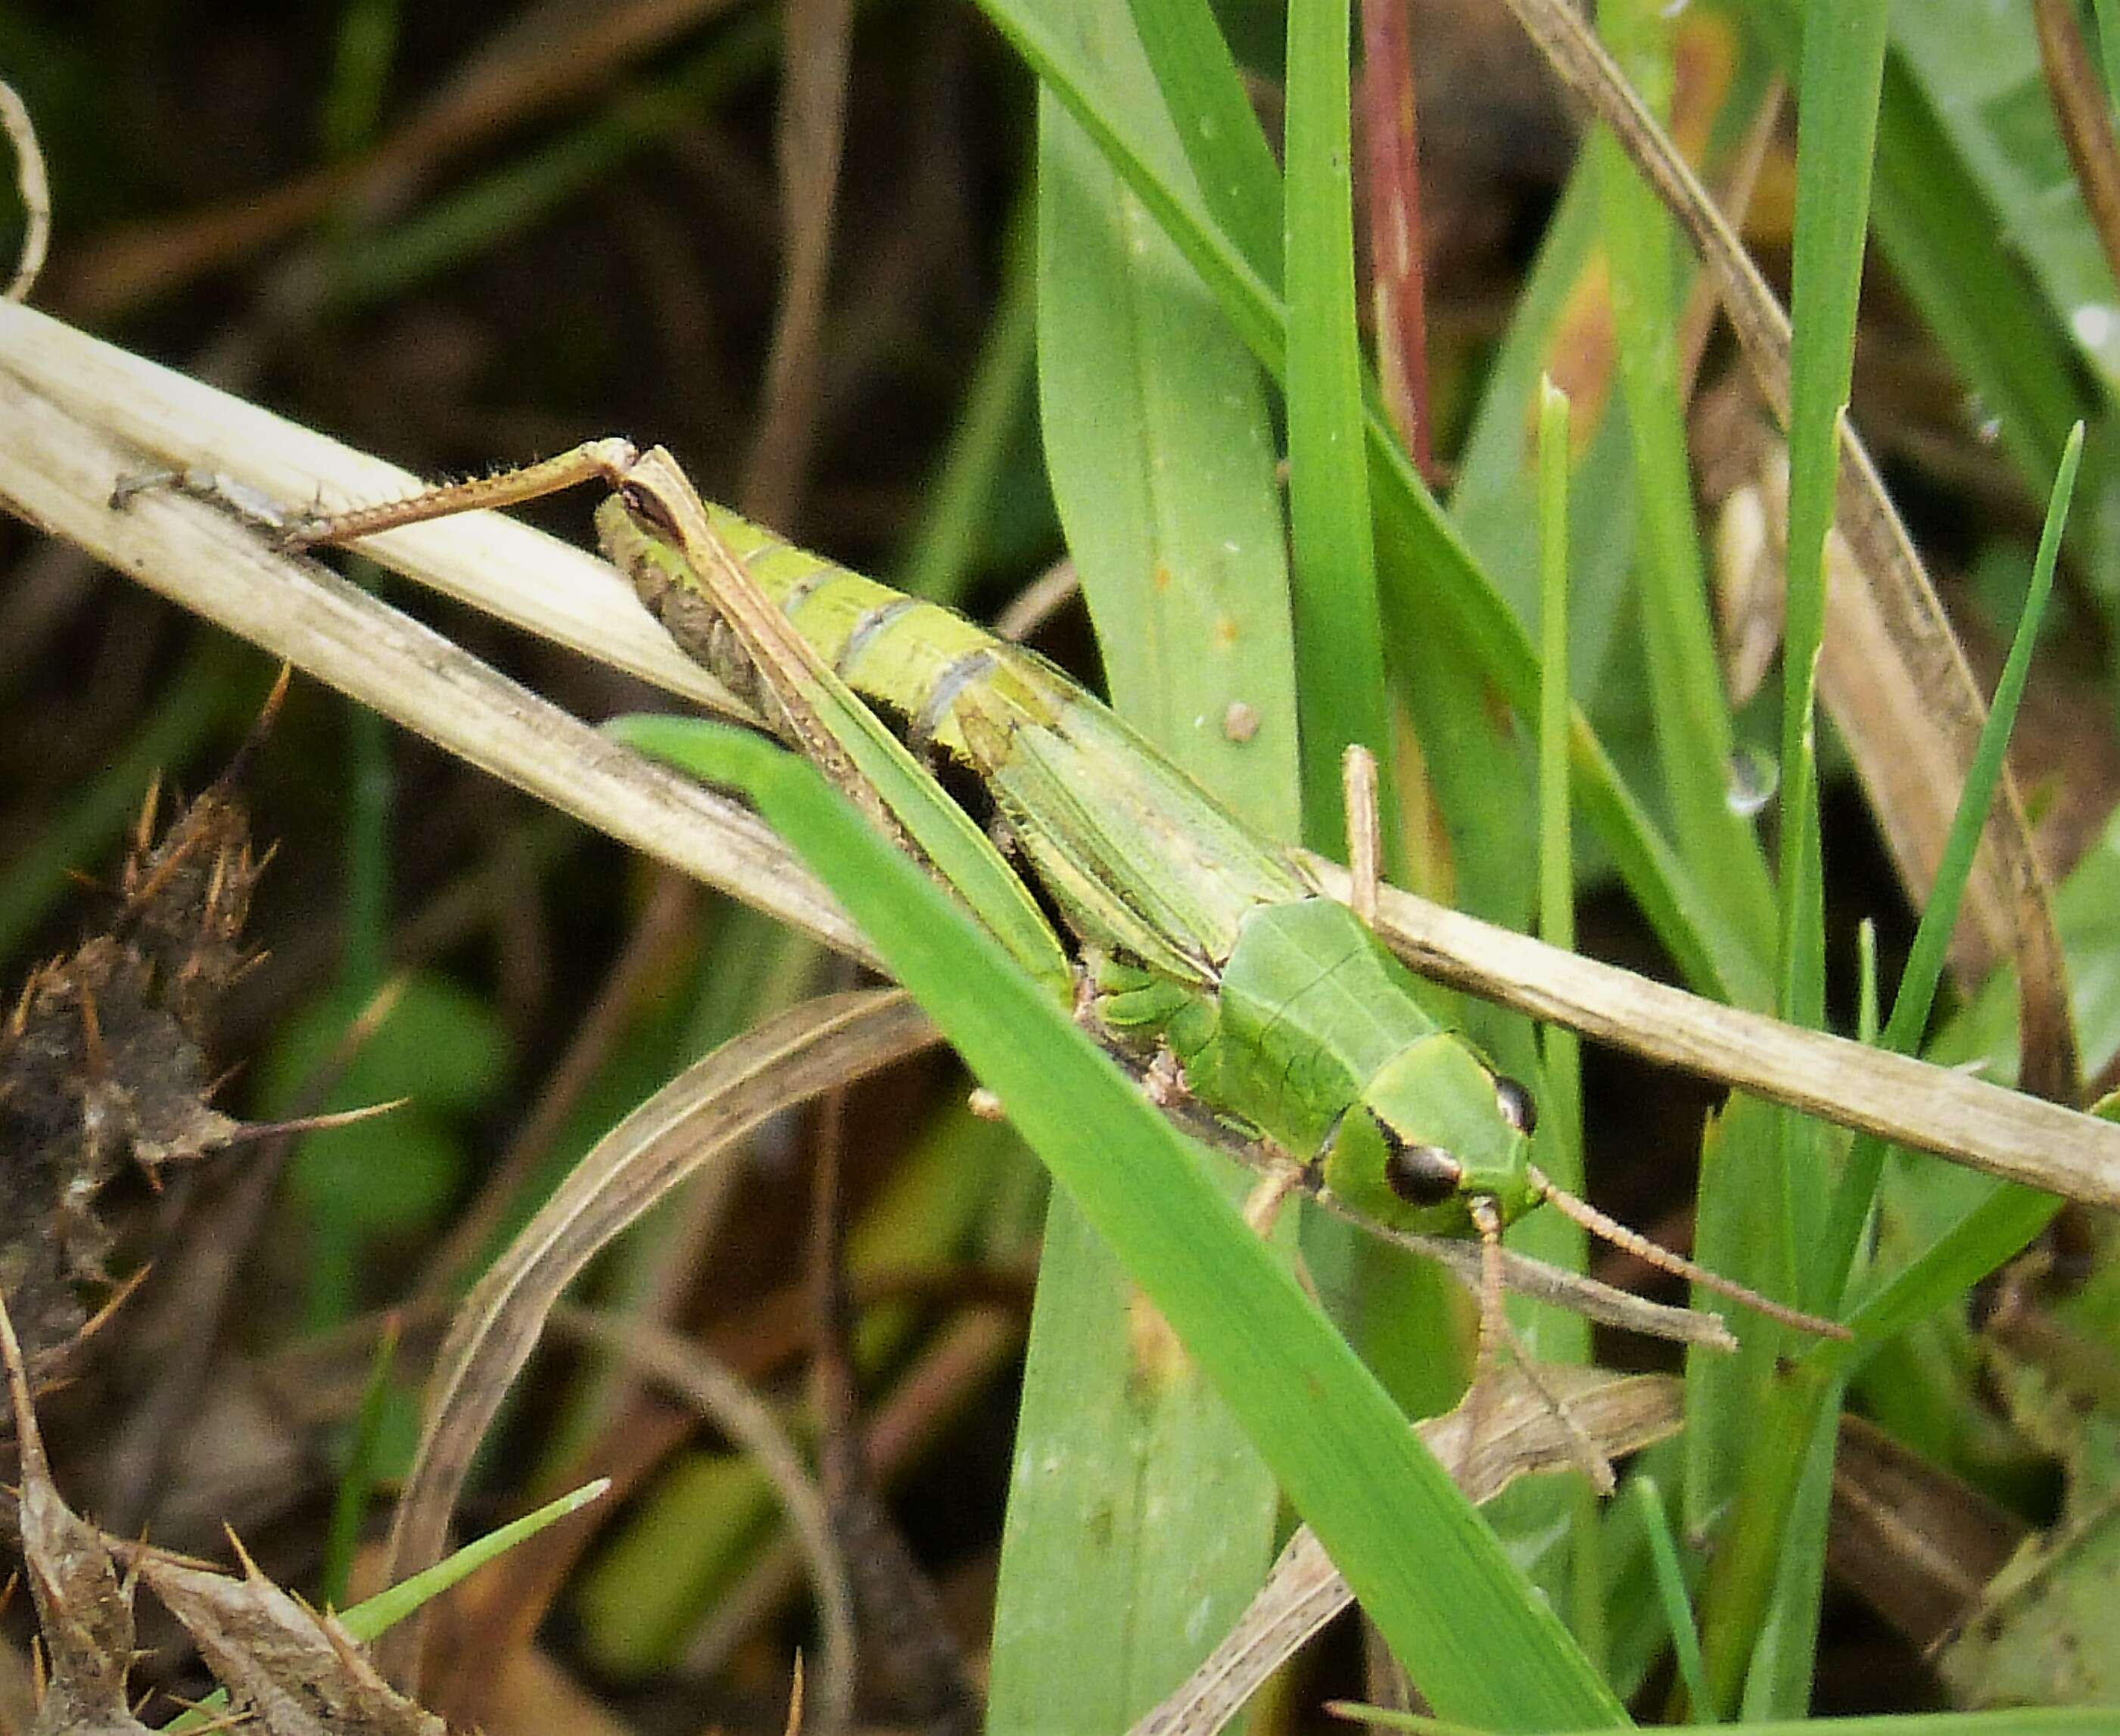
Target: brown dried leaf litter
(288, 1670)
(103, 1060)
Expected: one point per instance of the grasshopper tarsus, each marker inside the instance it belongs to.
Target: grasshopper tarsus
(611, 460)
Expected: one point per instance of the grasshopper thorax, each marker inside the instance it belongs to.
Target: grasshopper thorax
(1433, 1129)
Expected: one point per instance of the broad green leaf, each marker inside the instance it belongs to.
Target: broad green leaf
(1140, 1519)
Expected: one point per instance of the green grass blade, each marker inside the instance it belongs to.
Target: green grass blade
(1569, 1511)
(1671, 1589)
(1339, 649)
(1996, 1229)
(1158, 449)
(1768, 1582)
(1233, 164)
(356, 1483)
(376, 1615)
(1480, 1644)
(1856, 1192)
(1843, 52)
(1556, 850)
(1925, 960)
(1694, 735)
(1970, 169)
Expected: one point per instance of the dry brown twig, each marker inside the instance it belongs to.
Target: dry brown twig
(77, 413)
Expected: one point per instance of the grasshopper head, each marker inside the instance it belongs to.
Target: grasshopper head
(1435, 1129)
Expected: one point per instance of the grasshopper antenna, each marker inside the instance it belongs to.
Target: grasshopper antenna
(1609, 1229)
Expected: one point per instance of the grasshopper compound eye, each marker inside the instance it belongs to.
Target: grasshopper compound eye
(1422, 1175)
(1518, 1108)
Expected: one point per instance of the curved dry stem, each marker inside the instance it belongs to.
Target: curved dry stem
(698, 1118)
(34, 189)
(688, 1370)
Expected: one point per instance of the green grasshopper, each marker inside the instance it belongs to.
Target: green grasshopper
(1204, 948)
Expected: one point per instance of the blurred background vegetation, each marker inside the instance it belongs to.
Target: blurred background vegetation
(468, 235)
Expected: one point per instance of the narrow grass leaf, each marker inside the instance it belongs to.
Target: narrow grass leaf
(356, 1483)
(1855, 1194)
(1843, 51)
(1482, 1645)
(376, 1615)
(1694, 735)
(1671, 1588)
(1233, 164)
(1768, 1581)
(1338, 640)
(1556, 842)
(1967, 154)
